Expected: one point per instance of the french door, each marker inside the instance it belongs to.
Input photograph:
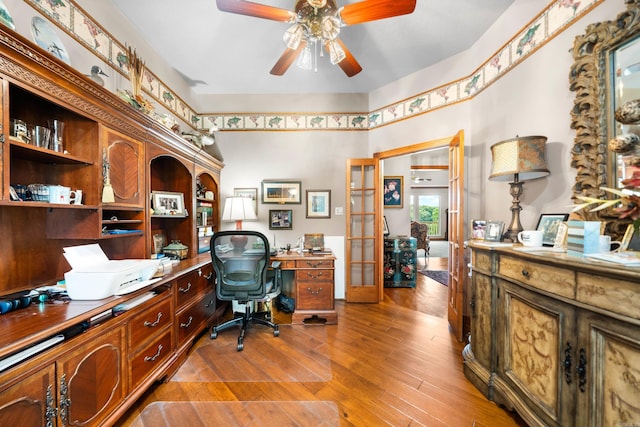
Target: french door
(455, 309)
(364, 231)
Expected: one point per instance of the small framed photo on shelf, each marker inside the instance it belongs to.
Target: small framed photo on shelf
(251, 193)
(166, 203)
(393, 197)
(281, 192)
(385, 227)
(493, 231)
(478, 229)
(631, 240)
(548, 224)
(280, 219)
(318, 203)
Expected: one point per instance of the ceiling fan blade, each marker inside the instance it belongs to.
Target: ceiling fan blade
(255, 9)
(371, 10)
(286, 59)
(349, 64)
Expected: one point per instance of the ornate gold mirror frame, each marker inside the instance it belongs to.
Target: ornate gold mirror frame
(590, 117)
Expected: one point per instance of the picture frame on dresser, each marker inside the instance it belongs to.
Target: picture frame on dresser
(631, 240)
(478, 229)
(493, 231)
(549, 225)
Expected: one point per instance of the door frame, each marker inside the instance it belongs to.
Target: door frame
(421, 147)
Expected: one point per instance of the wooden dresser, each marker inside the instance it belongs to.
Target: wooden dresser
(555, 337)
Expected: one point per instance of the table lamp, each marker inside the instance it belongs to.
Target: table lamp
(516, 160)
(238, 209)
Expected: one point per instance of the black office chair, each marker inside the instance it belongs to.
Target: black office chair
(241, 261)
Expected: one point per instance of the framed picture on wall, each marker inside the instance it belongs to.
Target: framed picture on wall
(393, 197)
(318, 203)
(281, 192)
(280, 219)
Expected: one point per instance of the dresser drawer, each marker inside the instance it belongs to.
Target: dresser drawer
(149, 322)
(189, 321)
(556, 280)
(150, 357)
(314, 290)
(189, 285)
(314, 263)
(597, 291)
(482, 261)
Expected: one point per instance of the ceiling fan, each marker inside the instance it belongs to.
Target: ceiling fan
(319, 21)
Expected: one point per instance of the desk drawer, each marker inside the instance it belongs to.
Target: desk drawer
(150, 357)
(314, 290)
(149, 322)
(559, 281)
(189, 320)
(189, 285)
(314, 263)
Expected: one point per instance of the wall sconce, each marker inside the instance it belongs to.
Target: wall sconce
(517, 160)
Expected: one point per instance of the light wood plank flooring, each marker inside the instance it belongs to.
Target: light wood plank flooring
(393, 363)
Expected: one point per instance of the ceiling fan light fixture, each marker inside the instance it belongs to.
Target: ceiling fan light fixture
(293, 36)
(336, 53)
(330, 27)
(305, 60)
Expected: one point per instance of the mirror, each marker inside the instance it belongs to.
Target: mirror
(597, 53)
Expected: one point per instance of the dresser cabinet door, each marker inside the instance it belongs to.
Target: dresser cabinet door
(535, 334)
(91, 380)
(126, 167)
(607, 373)
(30, 401)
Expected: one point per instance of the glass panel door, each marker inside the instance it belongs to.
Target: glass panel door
(364, 231)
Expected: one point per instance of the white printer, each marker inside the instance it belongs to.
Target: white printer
(93, 276)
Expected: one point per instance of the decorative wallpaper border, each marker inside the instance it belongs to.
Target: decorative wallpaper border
(555, 18)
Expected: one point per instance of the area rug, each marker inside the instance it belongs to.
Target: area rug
(196, 414)
(440, 276)
(299, 354)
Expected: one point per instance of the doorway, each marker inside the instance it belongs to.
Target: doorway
(455, 214)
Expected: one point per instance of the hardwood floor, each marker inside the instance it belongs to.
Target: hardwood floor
(393, 363)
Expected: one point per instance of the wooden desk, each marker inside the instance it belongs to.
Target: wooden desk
(313, 286)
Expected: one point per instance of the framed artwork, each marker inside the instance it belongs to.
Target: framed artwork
(318, 203)
(251, 193)
(548, 224)
(631, 240)
(493, 231)
(282, 192)
(280, 219)
(478, 228)
(385, 229)
(393, 197)
(167, 203)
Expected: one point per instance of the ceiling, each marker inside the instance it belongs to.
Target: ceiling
(224, 53)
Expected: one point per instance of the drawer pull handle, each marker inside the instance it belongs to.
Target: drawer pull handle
(314, 276)
(315, 292)
(154, 324)
(525, 273)
(184, 291)
(186, 325)
(155, 356)
(314, 264)
(209, 276)
(211, 303)
(567, 363)
(581, 370)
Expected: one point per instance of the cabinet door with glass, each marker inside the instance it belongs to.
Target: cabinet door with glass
(364, 231)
